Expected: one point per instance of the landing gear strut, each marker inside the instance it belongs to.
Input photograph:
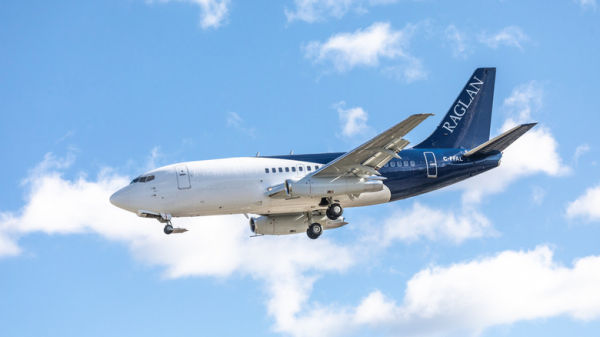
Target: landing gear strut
(314, 230)
(334, 211)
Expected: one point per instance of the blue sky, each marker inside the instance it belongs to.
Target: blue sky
(93, 93)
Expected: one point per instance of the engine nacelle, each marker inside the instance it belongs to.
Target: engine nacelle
(290, 224)
(320, 187)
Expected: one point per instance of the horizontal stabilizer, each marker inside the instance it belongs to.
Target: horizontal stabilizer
(501, 142)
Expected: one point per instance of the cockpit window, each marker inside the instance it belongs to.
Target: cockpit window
(142, 179)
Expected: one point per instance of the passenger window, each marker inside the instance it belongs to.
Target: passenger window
(412, 163)
(392, 164)
(293, 169)
(273, 170)
(287, 169)
(308, 168)
(280, 170)
(266, 170)
(300, 168)
(316, 167)
(406, 163)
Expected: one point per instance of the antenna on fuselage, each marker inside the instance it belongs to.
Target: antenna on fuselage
(258, 154)
(291, 152)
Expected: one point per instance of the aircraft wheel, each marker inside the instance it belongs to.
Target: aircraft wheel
(334, 211)
(314, 230)
(168, 229)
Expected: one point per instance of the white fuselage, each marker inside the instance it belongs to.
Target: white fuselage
(227, 186)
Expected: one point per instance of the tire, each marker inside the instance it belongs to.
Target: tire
(314, 231)
(334, 211)
(168, 229)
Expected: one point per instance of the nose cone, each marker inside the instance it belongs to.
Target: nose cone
(121, 200)
(115, 199)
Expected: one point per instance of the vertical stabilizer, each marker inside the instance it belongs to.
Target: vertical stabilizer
(467, 123)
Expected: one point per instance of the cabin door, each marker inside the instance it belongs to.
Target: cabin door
(183, 177)
(431, 164)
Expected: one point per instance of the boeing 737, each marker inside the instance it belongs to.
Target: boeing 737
(307, 193)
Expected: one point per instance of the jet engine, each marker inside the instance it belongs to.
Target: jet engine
(290, 223)
(319, 187)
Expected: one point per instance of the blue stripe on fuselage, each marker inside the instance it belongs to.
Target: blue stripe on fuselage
(407, 177)
(407, 181)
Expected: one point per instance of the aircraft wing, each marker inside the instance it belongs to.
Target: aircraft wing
(374, 154)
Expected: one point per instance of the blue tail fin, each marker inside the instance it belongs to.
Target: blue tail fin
(467, 123)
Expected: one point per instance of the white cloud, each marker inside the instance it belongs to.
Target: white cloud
(235, 121)
(354, 120)
(533, 153)
(587, 205)
(213, 13)
(433, 224)
(153, 158)
(319, 10)
(367, 47)
(409, 71)
(463, 42)
(511, 36)
(467, 298)
(524, 100)
(538, 194)
(457, 40)
(8, 246)
(587, 4)
(463, 297)
(580, 151)
(215, 246)
(506, 288)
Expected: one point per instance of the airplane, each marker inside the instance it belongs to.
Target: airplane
(299, 193)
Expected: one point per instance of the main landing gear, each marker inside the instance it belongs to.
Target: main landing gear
(314, 230)
(334, 211)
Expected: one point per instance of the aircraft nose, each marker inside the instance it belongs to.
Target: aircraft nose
(118, 199)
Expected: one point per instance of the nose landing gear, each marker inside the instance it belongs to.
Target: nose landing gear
(162, 218)
(169, 229)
